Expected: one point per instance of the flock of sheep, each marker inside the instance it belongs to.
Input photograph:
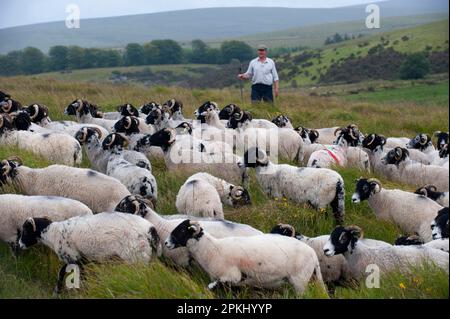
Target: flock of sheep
(109, 211)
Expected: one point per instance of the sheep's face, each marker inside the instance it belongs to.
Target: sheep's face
(163, 138)
(184, 128)
(413, 240)
(21, 120)
(281, 121)
(304, 134)
(77, 107)
(442, 139)
(238, 119)
(439, 226)
(374, 142)
(420, 142)
(347, 137)
(429, 191)
(135, 205)
(209, 112)
(254, 157)
(284, 230)
(342, 240)
(32, 231)
(9, 106)
(128, 125)
(5, 123)
(114, 141)
(173, 105)
(228, 111)
(127, 110)
(147, 108)
(184, 232)
(238, 196)
(198, 113)
(443, 152)
(364, 189)
(87, 135)
(37, 112)
(7, 170)
(395, 156)
(154, 117)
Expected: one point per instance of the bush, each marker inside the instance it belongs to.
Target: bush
(416, 66)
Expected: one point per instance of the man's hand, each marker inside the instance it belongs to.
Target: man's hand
(277, 91)
(242, 76)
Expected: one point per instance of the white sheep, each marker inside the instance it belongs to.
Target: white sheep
(318, 187)
(203, 194)
(416, 174)
(55, 147)
(414, 240)
(167, 223)
(335, 268)
(346, 241)
(138, 180)
(393, 142)
(99, 192)
(97, 238)
(259, 261)
(412, 213)
(282, 121)
(431, 192)
(16, 209)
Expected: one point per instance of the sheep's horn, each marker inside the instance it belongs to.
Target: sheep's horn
(100, 134)
(373, 139)
(84, 135)
(241, 113)
(196, 227)
(6, 107)
(232, 108)
(36, 111)
(352, 135)
(16, 159)
(172, 135)
(315, 132)
(127, 120)
(113, 137)
(431, 187)
(374, 180)
(136, 206)
(423, 139)
(398, 153)
(290, 227)
(337, 130)
(33, 224)
(1, 121)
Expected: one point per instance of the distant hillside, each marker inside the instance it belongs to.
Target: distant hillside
(309, 66)
(201, 23)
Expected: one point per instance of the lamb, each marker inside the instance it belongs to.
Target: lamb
(414, 240)
(318, 187)
(442, 139)
(166, 224)
(138, 180)
(39, 115)
(99, 192)
(335, 268)
(97, 238)
(431, 192)
(416, 174)
(203, 194)
(347, 241)
(282, 121)
(15, 209)
(82, 109)
(412, 213)
(55, 147)
(273, 258)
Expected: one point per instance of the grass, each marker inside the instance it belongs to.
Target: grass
(33, 274)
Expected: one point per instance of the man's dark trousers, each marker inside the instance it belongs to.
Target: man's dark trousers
(262, 92)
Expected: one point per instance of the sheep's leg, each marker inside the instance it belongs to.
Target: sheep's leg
(15, 249)
(59, 283)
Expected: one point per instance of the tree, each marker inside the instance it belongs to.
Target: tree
(32, 61)
(199, 52)
(109, 58)
(75, 57)
(134, 54)
(10, 63)
(58, 57)
(169, 52)
(235, 50)
(416, 66)
(151, 53)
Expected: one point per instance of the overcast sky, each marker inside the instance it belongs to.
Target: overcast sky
(20, 12)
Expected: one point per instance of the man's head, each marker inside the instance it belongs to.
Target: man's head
(262, 51)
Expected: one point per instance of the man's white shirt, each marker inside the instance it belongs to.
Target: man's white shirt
(262, 72)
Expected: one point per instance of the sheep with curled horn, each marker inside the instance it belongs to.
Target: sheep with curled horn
(430, 191)
(411, 212)
(83, 110)
(175, 108)
(9, 106)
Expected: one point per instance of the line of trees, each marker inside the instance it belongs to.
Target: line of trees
(32, 60)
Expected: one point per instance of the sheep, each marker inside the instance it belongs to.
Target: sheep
(138, 180)
(55, 147)
(245, 120)
(392, 142)
(442, 139)
(180, 154)
(414, 240)
(318, 187)
(148, 107)
(203, 194)
(335, 268)
(175, 108)
(99, 192)
(15, 209)
(227, 111)
(202, 108)
(165, 224)
(124, 124)
(8, 105)
(347, 241)
(282, 121)
(122, 110)
(259, 261)
(411, 212)
(416, 174)
(96, 238)
(431, 192)
(439, 226)
(82, 109)
(424, 144)
(309, 136)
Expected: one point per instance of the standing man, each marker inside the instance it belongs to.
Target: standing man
(264, 76)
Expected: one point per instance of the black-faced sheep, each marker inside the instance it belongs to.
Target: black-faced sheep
(431, 192)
